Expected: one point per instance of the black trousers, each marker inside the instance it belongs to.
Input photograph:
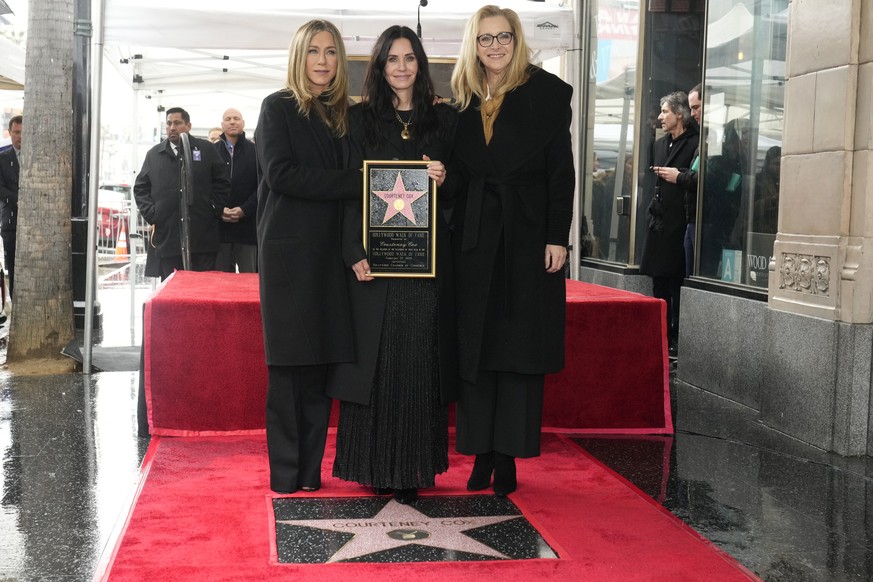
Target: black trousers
(199, 262)
(9, 254)
(298, 412)
(502, 412)
(670, 290)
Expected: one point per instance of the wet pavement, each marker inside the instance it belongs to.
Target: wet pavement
(69, 458)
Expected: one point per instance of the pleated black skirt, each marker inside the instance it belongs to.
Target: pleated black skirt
(401, 439)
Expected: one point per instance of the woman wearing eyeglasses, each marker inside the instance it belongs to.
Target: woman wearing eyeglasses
(512, 222)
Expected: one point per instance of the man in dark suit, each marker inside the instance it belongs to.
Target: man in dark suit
(239, 237)
(9, 167)
(158, 195)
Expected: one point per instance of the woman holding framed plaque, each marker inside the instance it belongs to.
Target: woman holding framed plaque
(303, 152)
(514, 162)
(393, 426)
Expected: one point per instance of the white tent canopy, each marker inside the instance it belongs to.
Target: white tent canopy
(11, 65)
(228, 43)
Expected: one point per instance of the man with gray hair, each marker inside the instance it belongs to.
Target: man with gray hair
(663, 253)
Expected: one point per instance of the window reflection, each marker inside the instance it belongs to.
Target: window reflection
(742, 118)
(615, 39)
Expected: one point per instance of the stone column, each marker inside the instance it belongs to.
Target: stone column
(825, 218)
(821, 290)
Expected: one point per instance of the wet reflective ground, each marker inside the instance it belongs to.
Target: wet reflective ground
(69, 454)
(69, 457)
(785, 510)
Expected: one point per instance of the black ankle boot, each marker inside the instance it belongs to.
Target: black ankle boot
(405, 496)
(504, 474)
(480, 478)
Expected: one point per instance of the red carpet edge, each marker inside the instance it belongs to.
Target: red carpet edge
(592, 517)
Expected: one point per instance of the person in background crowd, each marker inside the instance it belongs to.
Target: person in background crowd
(514, 161)
(10, 166)
(663, 252)
(157, 189)
(766, 216)
(239, 237)
(602, 207)
(303, 153)
(393, 425)
(687, 180)
(723, 226)
(215, 134)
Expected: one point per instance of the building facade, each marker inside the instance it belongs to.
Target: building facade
(777, 313)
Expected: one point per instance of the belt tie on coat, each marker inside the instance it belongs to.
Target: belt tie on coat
(512, 206)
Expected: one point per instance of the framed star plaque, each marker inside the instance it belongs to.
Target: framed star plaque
(399, 219)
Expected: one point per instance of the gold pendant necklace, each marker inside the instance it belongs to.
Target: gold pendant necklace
(404, 133)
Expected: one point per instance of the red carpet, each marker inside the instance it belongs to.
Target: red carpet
(205, 373)
(203, 514)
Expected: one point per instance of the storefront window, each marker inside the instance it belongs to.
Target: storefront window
(672, 62)
(610, 164)
(742, 130)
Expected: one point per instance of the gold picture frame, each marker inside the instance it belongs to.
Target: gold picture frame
(400, 213)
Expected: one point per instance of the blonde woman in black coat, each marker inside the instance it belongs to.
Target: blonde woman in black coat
(303, 152)
(515, 204)
(393, 426)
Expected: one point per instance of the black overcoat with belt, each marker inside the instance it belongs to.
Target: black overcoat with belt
(304, 181)
(663, 251)
(354, 381)
(157, 191)
(515, 197)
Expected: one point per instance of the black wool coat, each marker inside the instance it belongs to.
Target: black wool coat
(663, 251)
(354, 381)
(304, 180)
(242, 169)
(157, 191)
(9, 170)
(515, 196)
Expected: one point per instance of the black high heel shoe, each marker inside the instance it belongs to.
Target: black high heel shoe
(480, 478)
(504, 475)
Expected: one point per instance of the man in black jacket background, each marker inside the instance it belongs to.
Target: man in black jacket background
(158, 194)
(239, 237)
(9, 169)
(664, 252)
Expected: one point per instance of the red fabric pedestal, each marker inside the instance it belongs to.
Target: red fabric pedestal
(205, 370)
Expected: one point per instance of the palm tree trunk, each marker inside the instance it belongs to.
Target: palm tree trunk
(42, 322)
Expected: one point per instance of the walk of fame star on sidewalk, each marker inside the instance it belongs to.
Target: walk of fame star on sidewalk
(446, 528)
(409, 526)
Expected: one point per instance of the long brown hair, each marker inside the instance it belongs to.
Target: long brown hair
(333, 103)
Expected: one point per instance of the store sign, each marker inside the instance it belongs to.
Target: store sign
(618, 24)
(758, 257)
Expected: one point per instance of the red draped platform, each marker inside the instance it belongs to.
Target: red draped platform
(205, 372)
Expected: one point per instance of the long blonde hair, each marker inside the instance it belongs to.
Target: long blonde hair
(336, 95)
(468, 77)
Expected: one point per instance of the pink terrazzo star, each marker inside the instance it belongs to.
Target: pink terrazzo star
(399, 200)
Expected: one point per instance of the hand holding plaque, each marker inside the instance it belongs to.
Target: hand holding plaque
(399, 219)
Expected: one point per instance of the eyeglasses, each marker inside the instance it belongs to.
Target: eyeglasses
(486, 40)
